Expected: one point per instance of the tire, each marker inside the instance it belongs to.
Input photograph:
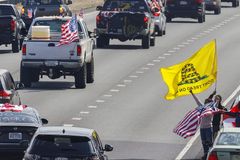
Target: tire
(169, 19)
(234, 3)
(15, 46)
(217, 11)
(204, 18)
(90, 71)
(152, 40)
(160, 33)
(164, 32)
(201, 19)
(146, 42)
(80, 77)
(102, 41)
(25, 76)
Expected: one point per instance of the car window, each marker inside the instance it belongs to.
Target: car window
(64, 146)
(125, 5)
(229, 139)
(17, 117)
(10, 81)
(6, 10)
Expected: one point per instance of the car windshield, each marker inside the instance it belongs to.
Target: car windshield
(6, 10)
(61, 146)
(229, 139)
(125, 5)
(17, 117)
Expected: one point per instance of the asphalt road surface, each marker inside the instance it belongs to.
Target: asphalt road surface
(126, 103)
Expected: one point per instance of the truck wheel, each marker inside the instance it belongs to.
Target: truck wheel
(35, 76)
(80, 77)
(234, 3)
(15, 46)
(100, 43)
(152, 41)
(146, 42)
(164, 32)
(200, 19)
(25, 77)
(90, 71)
(160, 33)
(217, 11)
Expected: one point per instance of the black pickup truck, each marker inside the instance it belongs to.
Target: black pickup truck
(12, 28)
(125, 20)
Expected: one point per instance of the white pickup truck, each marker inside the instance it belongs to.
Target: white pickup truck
(44, 56)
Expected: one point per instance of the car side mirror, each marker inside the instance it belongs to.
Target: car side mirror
(108, 148)
(24, 143)
(99, 8)
(44, 121)
(19, 85)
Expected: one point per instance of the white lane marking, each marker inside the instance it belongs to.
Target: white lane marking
(121, 85)
(133, 76)
(145, 68)
(67, 125)
(190, 40)
(181, 45)
(202, 33)
(77, 118)
(114, 90)
(156, 60)
(206, 32)
(161, 57)
(199, 35)
(107, 95)
(166, 54)
(185, 43)
(150, 64)
(171, 51)
(84, 112)
(193, 139)
(176, 48)
(139, 72)
(236, 15)
(92, 107)
(210, 30)
(127, 81)
(194, 38)
(100, 101)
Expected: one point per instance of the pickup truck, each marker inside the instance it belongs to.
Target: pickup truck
(36, 8)
(45, 56)
(11, 27)
(125, 20)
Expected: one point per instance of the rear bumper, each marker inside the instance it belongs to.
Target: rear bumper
(11, 148)
(184, 13)
(46, 64)
(210, 6)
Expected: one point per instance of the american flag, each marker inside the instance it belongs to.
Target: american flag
(69, 31)
(189, 125)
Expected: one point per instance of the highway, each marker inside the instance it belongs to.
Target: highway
(126, 104)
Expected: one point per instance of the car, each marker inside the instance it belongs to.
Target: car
(185, 9)
(235, 3)
(36, 8)
(12, 27)
(125, 20)
(18, 124)
(213, 5)
(46, 57)
(226, 145)
(66, 143)
(8, 89)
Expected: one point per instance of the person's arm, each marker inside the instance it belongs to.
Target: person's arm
(199, 103)
(232, 114)
(211, 95)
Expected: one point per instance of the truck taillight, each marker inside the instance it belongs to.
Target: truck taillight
(156, 14)
(98, 18)
(4, 94)
(213, 156)
(79, 50)
(13, 25)
(24, 49)
(145, 19)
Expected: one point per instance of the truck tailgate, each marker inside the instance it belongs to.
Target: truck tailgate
(48, 50)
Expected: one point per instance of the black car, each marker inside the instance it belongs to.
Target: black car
(8, 90)
(38, 8)
(66, 143)
(186, 9)
(235, 3)
(18, 124)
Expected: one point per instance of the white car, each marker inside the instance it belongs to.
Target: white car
(226, 145)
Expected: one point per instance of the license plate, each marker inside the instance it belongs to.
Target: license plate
(183, 2)
(15, 136)
(51, 63)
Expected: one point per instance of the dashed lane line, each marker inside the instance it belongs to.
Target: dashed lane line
(160, 57)
(107, 95)
(67, 125)
(114, 90)
(84, 112)
(121, 85)
(128, 80)
(156, 60)
(100, 101)
(92, 107)
(133, 76)
(150, 64)
(167, 54)
(77, 118)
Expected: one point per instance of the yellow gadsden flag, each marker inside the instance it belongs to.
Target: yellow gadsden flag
(196, 73)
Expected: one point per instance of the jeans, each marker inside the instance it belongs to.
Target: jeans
(207, 139)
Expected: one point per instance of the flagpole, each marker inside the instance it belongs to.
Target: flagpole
(216, 62)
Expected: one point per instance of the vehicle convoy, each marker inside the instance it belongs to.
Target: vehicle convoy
(42, 54)
(186, 9)
(125, 20)
(12, 27)
(8, 90)
(36, 8)
(66, 143)
(18, 124)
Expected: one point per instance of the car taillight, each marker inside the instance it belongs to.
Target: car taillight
(4, 94)
(213, 156)
(145, 19)
(79, 50)
(13, 25)
(199, 1)
(156, 14)
(24, 49)
(98, 18)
